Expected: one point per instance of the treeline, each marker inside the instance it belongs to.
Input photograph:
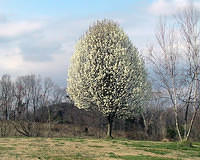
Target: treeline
(22, 97)
(32, 106)
(21, 100)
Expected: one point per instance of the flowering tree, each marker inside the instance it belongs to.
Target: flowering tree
(106, 73)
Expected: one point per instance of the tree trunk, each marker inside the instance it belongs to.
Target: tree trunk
(49, 120)
(27, 106)
(186, 121)
(177, 126)
(6, 114)
(110, 123)
(191, 125)
(34, 110)
(145, 125)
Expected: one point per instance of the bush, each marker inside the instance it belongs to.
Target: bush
(171, 133)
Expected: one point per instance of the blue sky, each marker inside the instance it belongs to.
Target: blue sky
(38, 36)
(72, 8)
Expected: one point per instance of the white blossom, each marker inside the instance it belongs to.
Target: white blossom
(106, 72)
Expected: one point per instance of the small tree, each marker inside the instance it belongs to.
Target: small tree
(106, 73)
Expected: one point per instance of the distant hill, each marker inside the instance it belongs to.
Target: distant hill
(67, 113)
(70, 114)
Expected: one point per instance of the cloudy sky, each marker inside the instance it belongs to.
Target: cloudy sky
(38, 36)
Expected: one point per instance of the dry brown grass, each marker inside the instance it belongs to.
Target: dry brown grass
(87, 149)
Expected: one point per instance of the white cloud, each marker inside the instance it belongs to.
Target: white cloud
(10, 58)
(13, 29)
(161, 7)
(13, 63)
(169, 7)
(32, 47)
(45, 52)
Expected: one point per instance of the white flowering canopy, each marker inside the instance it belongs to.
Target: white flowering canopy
(106, 72)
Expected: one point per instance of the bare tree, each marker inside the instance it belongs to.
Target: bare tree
(36, 94)
(6, 96)
(152, 111)
(58, 95)
(47, 90)
(31, 94)
(6, 104)
(189, 23)
(19, 94)
(178, 65)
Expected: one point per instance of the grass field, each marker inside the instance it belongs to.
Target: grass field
(94, 149)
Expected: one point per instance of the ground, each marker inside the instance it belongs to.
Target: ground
(94, 149)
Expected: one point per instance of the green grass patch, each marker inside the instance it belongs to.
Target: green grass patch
(160, 145)
(70, 139)
(143, 157)
(113, 155)
(155, 151)
(95, 146)
(137, 157)
(7, 148)
(191, 153)
(54, 158)
(137, 144)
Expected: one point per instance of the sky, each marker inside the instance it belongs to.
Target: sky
(38, 36)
